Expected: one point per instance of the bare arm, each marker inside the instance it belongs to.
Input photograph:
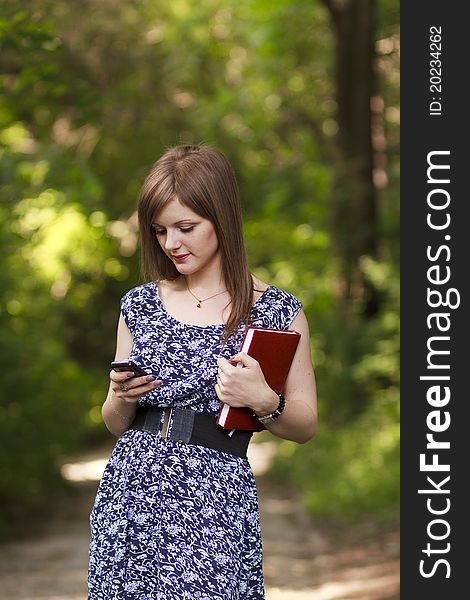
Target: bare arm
(120, 406)
(298, 422)
(247, 387)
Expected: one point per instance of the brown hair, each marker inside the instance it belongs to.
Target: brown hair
(201, 178)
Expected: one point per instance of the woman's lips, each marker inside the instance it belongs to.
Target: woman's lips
(180, 257)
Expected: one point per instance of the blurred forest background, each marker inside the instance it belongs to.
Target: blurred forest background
(303, 97)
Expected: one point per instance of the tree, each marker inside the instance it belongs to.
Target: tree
(354, 214)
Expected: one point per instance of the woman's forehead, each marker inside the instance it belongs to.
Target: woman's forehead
(174, 211)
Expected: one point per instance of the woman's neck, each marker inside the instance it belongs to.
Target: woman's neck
(204, 283)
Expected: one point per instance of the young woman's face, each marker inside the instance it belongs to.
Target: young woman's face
(186, 238)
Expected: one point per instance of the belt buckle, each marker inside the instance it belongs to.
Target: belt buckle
(167, 412)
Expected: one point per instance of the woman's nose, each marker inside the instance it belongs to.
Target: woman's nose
(172, 241)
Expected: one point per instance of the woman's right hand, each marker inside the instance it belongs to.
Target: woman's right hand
(129, 388)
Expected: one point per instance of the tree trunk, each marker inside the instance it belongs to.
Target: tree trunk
(354, 209)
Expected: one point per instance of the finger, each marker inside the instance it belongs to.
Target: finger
(226, 367)
(121, 376)
(221, 378)
(116, 390)
(245, 359)
(222, 390)
(143, 385)
(117, 383)
(223, 364)
(135, 391)
(123, 387)
(144, 380)
(219, 392)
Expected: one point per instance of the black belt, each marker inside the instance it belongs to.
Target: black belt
(190, 427)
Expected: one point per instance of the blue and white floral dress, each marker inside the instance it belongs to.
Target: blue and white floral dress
(175, 521)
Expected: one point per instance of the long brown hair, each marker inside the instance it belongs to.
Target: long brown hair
(202, 179)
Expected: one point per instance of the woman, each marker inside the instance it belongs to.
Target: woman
(176, 513)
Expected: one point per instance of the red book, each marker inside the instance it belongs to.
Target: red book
(274, 349)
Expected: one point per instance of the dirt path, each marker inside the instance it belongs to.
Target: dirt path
(303, 559)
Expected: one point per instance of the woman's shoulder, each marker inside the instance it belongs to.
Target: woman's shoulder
(139, 292)
(274, 306)
(259, 287)
(136, 301)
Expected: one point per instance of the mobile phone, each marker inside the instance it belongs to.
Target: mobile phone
(128, 365)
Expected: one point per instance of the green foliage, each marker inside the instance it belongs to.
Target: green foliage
(352, 467)
(350, 470)
(52, 250)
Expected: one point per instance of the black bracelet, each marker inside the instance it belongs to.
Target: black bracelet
(277, 413)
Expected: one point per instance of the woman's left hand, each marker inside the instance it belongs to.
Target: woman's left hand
(244, 386)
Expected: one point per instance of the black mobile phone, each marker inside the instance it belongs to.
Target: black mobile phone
(128, 365)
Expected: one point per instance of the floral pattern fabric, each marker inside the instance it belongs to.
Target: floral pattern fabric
(175, 521)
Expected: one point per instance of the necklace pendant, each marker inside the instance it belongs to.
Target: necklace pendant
(198, 305)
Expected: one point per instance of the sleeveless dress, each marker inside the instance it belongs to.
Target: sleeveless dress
(175, 521)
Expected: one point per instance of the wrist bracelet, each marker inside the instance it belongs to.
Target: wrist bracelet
(277, 413)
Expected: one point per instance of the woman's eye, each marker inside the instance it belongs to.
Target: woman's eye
(182, 229)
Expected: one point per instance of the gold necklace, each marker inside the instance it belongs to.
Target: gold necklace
(199, 300)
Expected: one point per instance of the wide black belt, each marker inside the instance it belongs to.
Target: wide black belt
(190, 427)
